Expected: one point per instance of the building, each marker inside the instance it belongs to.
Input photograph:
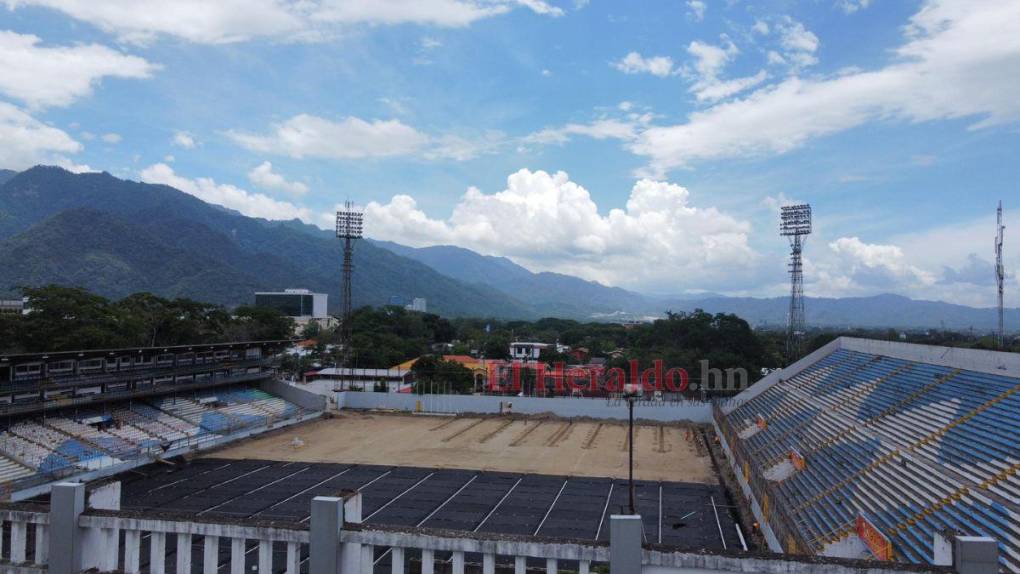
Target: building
(296, 303)
(526, 351)
(417, 304)
(14, 306)
(346, 378)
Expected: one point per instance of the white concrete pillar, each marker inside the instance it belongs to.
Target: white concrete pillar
(351, 553)
(552, 566)
(624, 543)
(458, 562)
(397, 560)
(324, 536)
(367, 559)
(67, 501)
(211, 555)
(428, 562)
(265, 557)
(237, 556)
(42, 543)
(157, 553)
(488, 564)
(293, 558)
(132, 549)
(583, 567)
(19, 541)
(520, 565)
(183, 554)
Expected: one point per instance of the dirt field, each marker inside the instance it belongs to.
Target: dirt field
(550, 446)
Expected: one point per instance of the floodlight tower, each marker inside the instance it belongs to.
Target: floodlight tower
(1000, 274)
(348, 230)
(795, 224)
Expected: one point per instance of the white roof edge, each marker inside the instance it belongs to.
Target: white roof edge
(979, 360)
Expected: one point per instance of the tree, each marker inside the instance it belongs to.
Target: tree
(433, 374)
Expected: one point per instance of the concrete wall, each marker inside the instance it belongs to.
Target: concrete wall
(992, 362)
(692, 411)
(295, 394)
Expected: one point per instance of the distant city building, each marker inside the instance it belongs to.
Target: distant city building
(526, 351)
(417, 304)
(296, 303)
(14, 306)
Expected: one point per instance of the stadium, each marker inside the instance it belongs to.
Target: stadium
(864, 456)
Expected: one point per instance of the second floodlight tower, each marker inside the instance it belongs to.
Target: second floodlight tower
(348, 230)
(795, 224)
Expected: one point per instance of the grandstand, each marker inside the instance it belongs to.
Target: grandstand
(94, 413)
(867, 447)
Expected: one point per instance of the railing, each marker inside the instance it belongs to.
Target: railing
(67, 538)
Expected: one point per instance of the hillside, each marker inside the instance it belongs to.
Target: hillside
(87, 230)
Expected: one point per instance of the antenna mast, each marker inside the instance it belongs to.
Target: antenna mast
(348, 230)
(795, 224)
(1000, 275)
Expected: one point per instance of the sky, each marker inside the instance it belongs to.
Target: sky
(647, 145)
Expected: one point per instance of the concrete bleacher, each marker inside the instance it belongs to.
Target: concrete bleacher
(65, 443)
(916, 447)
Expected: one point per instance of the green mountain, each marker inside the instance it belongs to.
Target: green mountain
(117, 237)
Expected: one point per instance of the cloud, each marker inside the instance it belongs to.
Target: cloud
(959, 60)
(799, 44)
(605, 128)
(976, 271)
(306, 135)
(761, 27)
(263, 176)
(696, 9)
(547, 221)
(350, 138)
(44, 76)
(27, 141)
(873, 266)
(851, 6)
(227, 21)
(710, 60)
(111, 138)
(184, 140)
(635, 63)
(247, 203)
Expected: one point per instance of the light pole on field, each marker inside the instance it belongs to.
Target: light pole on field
(631, 393)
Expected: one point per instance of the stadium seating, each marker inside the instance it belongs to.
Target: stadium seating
(62, 443)
(917, 448)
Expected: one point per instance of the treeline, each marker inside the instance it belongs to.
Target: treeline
(387, 336)
(67, 319)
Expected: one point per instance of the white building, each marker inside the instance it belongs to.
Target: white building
(296, 303)
(526, 351)
(417, 304)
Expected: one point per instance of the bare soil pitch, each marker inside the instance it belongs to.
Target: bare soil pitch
(538, 445)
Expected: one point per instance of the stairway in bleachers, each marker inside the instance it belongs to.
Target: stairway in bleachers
(916, 447)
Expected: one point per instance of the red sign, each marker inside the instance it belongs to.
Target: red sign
(876, 541)
(762, 423)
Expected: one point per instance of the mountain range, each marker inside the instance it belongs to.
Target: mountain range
(116, 237)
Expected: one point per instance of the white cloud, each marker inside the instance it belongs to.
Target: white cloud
(960, 60)
(350, 138)
(226, 21)
(696, 9)
(27, 141)
(851, 6)
(871, 267)
(635, 63)
(184, 140)
(247, 203)
(460, 148)
(605, 128)
(546, 221)
(710, 60)
(761, 27)
(263, 176)
(42, 76)
(799, 44)
(111, 138)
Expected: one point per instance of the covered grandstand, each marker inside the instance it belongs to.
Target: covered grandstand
(872, 448)
(93, 413)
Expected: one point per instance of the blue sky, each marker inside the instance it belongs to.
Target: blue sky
(646, 144)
